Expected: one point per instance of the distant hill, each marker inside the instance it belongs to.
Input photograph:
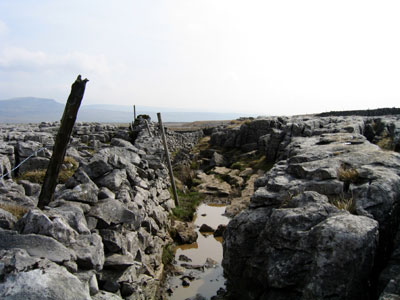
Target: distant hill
(35, 110)
(30, 109)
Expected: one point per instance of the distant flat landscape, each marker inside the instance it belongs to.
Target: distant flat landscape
(34, 110)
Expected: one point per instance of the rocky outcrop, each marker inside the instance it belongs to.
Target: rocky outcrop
(272, 135)
(103, 235)
(321, 222)
(238, 204)
(212, 185)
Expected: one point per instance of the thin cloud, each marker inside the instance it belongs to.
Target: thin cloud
(20, 59)
(26, 72)
(3, 28)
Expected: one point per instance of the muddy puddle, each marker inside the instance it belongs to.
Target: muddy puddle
(205, 255)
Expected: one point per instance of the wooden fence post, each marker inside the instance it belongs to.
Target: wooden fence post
(134, 113)
(148, 128)
(171, 174)
(62, 140)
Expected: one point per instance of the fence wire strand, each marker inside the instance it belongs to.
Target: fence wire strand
(22, 162)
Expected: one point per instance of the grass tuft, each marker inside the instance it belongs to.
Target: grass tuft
(343, 203)
(64, 175)
(347, 174)
(188, 203)
(16, 210)
(203, 144)
(386, 144)
(238, 166)
(238, 122)
(257, 162)
(72, 161)
(37, 176)
(168, 254)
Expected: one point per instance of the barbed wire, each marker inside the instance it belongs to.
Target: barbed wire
(22, 162)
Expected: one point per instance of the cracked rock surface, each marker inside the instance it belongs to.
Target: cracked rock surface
(321, 222)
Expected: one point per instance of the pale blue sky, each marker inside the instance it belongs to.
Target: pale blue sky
(263, 57)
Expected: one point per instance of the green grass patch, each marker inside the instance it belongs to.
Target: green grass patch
(194, 165)
(238, 165)
(203, 144)
(168, 254)
(256, 162)
(260, 163)
(188, 203)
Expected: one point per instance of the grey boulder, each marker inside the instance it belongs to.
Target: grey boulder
(112, 180)
(89, 251)
(31, 189)
(183, 232)
(26, 277)
(85, 192)
(271, 252)
(36, 245)
(73, 215)
(110, 211)
(35, 221)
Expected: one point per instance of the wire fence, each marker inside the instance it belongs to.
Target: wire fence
(22, 162)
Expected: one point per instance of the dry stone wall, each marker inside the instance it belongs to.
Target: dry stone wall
(102, 236)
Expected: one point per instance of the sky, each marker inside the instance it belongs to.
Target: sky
(262, 57)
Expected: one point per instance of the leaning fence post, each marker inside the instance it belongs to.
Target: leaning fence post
(148, 128)
(62, 140)
(171, 174)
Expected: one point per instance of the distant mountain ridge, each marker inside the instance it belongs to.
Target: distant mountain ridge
(35, 110)
(30, 109)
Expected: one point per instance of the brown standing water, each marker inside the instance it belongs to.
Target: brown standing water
(205, 283)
